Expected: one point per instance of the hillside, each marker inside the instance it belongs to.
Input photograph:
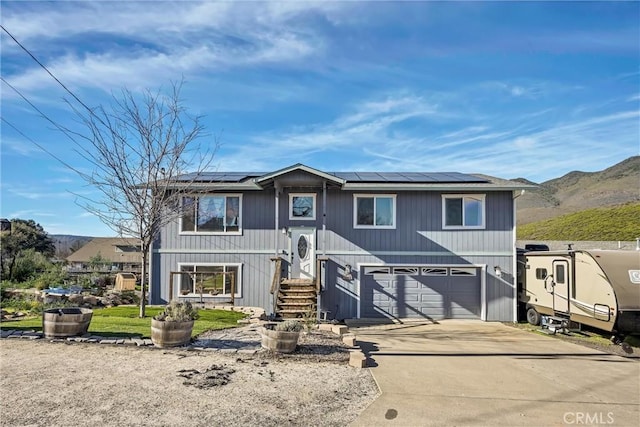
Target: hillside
(67, 244)
(577, 191)
(608, 223)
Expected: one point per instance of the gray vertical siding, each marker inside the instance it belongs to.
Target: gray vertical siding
(417, 239)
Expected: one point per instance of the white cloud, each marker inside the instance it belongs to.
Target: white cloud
(160, 41)
(23, 147)
(530, 145)
(33, 195)
(30, 213)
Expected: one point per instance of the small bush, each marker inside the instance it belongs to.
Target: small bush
(103, 282)
(289, 326)
(178, 312)
(28, 305)
(51, 277)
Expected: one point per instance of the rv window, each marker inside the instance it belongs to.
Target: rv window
(541, 273)
(560, 273)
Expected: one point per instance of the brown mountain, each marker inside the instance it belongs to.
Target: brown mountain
(577, 191)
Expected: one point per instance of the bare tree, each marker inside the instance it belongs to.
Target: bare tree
(139, 147)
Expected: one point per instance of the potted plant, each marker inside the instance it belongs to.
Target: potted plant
(281, 337)
(174, 325)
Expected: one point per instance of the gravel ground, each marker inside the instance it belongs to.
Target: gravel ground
(59, 384)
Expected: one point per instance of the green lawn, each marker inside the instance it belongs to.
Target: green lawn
(124, 321)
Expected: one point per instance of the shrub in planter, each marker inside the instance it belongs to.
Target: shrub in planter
(289, 326)
(281, 337)
(174, 325)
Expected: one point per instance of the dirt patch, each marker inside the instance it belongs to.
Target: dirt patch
(587, 338)
(59, 384)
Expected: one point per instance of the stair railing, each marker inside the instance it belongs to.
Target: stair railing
(275, 282)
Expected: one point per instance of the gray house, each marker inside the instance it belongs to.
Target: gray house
(345, 244)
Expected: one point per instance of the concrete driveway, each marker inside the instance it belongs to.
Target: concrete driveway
(458, 373)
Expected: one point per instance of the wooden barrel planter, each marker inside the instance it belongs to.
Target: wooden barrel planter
(170, 334)
(278, 341)
(66, 322)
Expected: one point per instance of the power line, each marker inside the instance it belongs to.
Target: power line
(43, 115)
(42, 148)
(50, 73)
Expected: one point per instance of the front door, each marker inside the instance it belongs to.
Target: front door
(303, 253)
(561, 288)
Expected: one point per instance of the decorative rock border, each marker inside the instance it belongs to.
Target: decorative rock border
(257, 315)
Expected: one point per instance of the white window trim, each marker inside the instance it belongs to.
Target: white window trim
(297, 218)
(482, 226)
(238, 293)
(374, 196)
(213, 233)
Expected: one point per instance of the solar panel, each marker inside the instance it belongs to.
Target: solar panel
(218, 176)
(369, 177)
(413, 177)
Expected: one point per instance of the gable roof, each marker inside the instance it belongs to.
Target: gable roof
(300, 167)
(113, 249)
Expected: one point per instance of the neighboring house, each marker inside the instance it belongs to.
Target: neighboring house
(374, 245)
(117, 254)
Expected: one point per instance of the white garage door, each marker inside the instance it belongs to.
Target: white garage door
(420, 292)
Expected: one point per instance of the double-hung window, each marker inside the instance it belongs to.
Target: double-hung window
(211, 214)
(463, 211)
(374, 211)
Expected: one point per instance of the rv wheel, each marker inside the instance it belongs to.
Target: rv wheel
(533, 316)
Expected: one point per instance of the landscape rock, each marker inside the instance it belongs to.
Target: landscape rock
(77, 299)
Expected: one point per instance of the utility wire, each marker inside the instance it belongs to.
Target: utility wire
(43, 115)
(42, 148)
(50, 73)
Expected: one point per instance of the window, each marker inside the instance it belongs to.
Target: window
(541, 273)
(377, 270)
(374, 211)
(463, 271)
(302, 206)
(212, 280)
(434, 271)
(463, 211)
(559, 274)
(211, 214)
(406, 271)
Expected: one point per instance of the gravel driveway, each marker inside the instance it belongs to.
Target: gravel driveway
(59, 384)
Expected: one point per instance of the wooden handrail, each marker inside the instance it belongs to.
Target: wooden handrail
(277, 274)
(275, 282)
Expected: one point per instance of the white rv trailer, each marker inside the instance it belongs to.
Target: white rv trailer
(599, 288)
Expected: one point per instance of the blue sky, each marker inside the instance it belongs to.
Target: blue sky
(509, 89)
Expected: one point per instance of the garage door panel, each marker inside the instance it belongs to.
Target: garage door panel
(432, 297)
(411, 298)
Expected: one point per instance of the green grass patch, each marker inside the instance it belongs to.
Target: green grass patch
(599, 224)
(124, 321)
